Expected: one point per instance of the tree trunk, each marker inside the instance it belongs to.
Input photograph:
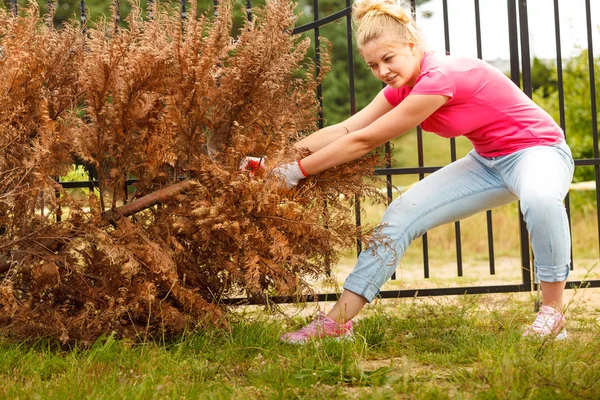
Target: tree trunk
(126, 210)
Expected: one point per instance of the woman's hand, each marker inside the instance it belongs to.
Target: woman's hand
(290, 173)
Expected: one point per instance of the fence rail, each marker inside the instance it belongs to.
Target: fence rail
(520, 73)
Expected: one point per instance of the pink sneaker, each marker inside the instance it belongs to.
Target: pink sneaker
(548, 322)
(321, 327)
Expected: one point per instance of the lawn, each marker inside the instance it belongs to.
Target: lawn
(467, 347)
(462, 347)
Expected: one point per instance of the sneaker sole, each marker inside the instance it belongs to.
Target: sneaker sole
(349, 336)
(562, 335)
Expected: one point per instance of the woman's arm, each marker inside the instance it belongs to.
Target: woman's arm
(407, 115)
(323, 137)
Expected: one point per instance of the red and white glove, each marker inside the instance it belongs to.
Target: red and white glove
(290, 173)
(252, 164)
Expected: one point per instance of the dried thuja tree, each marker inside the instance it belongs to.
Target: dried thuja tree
(38, 87)
(235, 233)
(110, 275)
(177, 107)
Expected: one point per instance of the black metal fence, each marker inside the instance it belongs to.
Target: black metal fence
(520, 61)
(520, 72)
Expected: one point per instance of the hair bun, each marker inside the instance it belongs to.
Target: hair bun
(363, 7)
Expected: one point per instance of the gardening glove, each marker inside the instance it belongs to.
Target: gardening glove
(252, 164)
(290, 173)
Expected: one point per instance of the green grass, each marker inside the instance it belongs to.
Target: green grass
(459, 348)
(467, 348)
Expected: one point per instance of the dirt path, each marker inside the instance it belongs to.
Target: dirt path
(475, 273)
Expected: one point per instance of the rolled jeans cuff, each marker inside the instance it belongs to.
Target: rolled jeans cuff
(362, 287)
(552, 274)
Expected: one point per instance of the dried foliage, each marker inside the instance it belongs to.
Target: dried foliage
(160, 101)
(37, 88)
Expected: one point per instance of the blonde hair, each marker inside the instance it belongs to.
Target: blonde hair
(373, 18)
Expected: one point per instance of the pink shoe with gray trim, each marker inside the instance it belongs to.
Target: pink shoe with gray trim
(548, 322)
(321, 327)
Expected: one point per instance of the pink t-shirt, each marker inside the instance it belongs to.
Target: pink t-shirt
(484, 106)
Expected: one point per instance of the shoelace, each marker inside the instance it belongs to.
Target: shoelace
(546, 319)
(312, 327)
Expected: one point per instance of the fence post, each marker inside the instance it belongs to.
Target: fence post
(13, 7)
(515, 74)
(593, 105)
(117, 14)
(83, 16)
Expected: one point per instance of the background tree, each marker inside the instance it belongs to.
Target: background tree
(578, 112)
(542, 77)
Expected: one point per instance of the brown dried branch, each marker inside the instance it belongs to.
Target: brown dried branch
(159, 106)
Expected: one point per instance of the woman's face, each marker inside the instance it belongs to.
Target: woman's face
(392, 61)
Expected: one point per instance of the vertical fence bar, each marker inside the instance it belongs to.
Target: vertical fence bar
(183, 15)
(117, 15)
(83, 16)
(447, 49)
(457, 235)
(525, 52)
(58, 212)
(513, 43)
(50, 11)
(488, 214)
(150, 9)
(358, 222)
(388, 177)
(14, 8)
(421, 163)
(388, 181)
(350, 61)
(478, 29)
(49, 21)
(318, 60)
(446, 26)
(590, 48)
(125, 189)
(515, 75)
(559, 68)
(350, 44)
(490, 230)
(527, 89)
(561, 101)
(249, 10)
(91, 171)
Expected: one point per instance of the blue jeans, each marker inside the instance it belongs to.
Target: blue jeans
(538, 176)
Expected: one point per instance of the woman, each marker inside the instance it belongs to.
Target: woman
(519, 154)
